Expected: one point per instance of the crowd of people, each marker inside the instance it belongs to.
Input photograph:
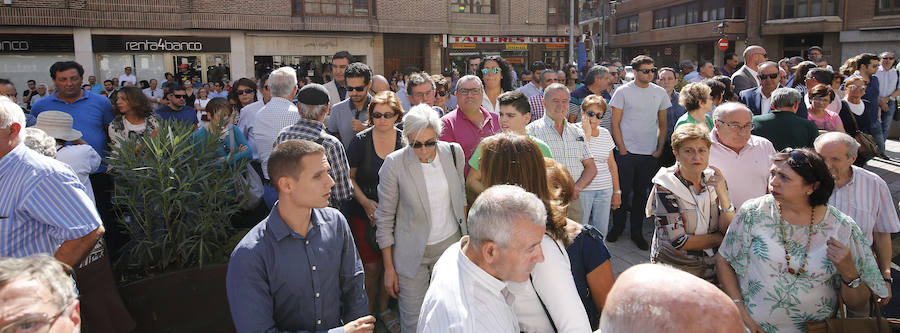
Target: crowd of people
(484, 202)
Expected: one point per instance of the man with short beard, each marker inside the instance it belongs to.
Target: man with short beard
(349, 116)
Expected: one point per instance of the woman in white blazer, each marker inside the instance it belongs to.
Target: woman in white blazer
(420, 210)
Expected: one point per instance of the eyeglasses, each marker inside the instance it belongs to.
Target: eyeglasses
(179, 96)
(855, 87)
(245, 91)
(386, 115)
(441, 93)
(473, 91)
(821, 99)
(796, 158)
(887, 58)
(429, 143)
(737, 127)
(648, 71)
(360, 89)
(33, 322)
(487, 71)
(768, 76)
(423, 94)
(598, 115)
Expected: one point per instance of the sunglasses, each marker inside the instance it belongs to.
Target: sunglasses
(245, 91)
(494, 70)
(887, 58)
(429, 143)
(179, 96)
(386, 115)
(768, 76)
(622, 68)
(598, 115)
(796, 158)
(360, 89)
(648, 71)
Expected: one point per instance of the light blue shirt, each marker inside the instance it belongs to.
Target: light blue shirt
(42, 204)
(90, 114)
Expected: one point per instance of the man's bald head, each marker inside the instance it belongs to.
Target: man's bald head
(379, 84)
(659, 298)
(754, 55)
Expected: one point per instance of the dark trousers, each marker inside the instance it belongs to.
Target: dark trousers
(102, 184)
(635, 173)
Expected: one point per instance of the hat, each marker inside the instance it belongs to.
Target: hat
(57, 124)
(313, 94)
(183, 66)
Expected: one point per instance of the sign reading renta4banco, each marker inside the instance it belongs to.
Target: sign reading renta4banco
(508, 39)
(107, 43)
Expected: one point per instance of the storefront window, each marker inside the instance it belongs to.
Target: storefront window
(472, 6)
(21, 68)
(314, 67)
(144, 66)
(785, 9)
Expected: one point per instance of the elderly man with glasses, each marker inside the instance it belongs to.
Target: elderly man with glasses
(470, 122)
(742, 157)
(38, 296)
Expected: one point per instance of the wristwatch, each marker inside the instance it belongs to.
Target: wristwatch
(854, 283)
(889, 280)
(729, 210)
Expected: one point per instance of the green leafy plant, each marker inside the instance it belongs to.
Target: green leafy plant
(176, 199)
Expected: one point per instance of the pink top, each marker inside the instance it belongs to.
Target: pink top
(746, 173)
(460, 129)
(831, 121)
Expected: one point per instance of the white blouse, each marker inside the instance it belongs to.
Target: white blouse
(442, 224)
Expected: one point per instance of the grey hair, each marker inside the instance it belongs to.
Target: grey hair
(417, 78)
(493, 214)
(282, 82)
(885, 53)
(596, 72)
(849, 141)
(468, 78)
(39, 141)
(727, 107)
(312, 112)
(10, 113)
(44, 269)
(42, 85)
(548, 72)
(420, 117)
(785, 97)
(554, 87)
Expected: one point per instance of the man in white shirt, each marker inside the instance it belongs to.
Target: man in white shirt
(248, 116)
(888, 89)
(534, 87)
(154, 94)
(127, 77)
(862, 195)
(277, 114)
(743, 158)
(468, 291)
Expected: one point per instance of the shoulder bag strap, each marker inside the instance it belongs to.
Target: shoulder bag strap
(549, 317)
(453, 152)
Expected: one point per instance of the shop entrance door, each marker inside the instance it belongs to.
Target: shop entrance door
(186, 66)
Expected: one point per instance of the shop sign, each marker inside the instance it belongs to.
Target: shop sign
(21, 43)
(144, 44)
(515, 60)
(508, 40)
(517, 47)
(464, 46)
(556, 46)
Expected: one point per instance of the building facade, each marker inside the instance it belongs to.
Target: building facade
(248, 38)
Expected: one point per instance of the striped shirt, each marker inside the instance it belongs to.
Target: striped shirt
(601, 147)
(464, 298)
(42, 204)
(340, 170)
(570, 148)
(270, 119)
(867, 199)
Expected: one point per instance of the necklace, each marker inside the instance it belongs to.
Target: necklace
(787, 255)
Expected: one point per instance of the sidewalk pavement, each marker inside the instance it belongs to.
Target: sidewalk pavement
(625, 254)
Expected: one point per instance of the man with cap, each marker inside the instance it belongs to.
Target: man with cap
(313, 102)
(278, 113)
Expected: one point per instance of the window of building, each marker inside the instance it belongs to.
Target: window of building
(334, 7)
(693, 12)
(689, 13)
(888, 7)
(786, 9)
(627, 24)
(712, 10)
(472, 6)
(558, 12)
(660, 18)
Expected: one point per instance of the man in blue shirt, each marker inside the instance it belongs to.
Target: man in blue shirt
(177, 109)
(298, 269)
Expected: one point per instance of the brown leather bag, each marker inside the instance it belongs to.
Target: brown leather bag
(839, 323)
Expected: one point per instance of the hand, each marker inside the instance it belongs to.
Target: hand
(575, 194)
(717, 179)
(839, 254)
(370, 206)
(657, 153)
(884, 301)
(616, 201)
(623, 152)
(391, 282)
(357, 125)
(748, 321)
(242, 148)
(363, 324)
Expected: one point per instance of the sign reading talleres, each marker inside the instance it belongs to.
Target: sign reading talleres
(144, 44)
(507, 39)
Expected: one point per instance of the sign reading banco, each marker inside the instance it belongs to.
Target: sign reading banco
(163, 45)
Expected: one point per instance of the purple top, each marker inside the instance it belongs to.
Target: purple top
(462, 130)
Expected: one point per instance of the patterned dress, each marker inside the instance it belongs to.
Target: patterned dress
(119, 131)
(779, 301)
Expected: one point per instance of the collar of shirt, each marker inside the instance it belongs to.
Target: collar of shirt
(11, 157)
(481, 277)
(485, 113)
(551, 124)
(281, 230)
(278, 100)
(754, 73)
(84, 96)
(311, 124)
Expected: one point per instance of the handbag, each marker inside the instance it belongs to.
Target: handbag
(694, 266)
(839, 323)
(867, 146)
(247, 183)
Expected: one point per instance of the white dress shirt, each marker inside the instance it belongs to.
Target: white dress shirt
(867, 199)
(486, 104)
(464, 298)
(84, 160)
(442, 224)
(271, 118)
(530, 90)
(127, 78)
(747, 172)
(245, 123)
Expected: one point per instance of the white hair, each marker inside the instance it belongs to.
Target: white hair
(39, 141)
(282, 82)
(312, 112)
(420, 117)
(493, 214)
(849, 141)
(10, 113)
(728, 107)
(468, 78)
(554, 87)
(43, 269)
(785, 97)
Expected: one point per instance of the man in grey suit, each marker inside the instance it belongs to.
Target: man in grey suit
(746, 77)
(421, 209)
(337, 87)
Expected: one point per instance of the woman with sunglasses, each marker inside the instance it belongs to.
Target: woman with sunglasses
(242, 93)
(496, 75)
(787, 255)
(603, 192)
(420, 209)
(134, 116)
(695, 98)
(442, 96)
(366, 154)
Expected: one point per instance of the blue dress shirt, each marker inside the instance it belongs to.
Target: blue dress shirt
(90, 114)
(281, 281)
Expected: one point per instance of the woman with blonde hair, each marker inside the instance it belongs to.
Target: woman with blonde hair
(603, 192)
(695, 97)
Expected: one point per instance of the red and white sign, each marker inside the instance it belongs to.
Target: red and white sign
(723, 44)
(507, 40)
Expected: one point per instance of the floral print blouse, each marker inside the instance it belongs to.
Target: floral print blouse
(119, 130)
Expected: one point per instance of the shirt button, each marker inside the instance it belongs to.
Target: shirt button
(317, 295)
(319, 322)
(307, 242)
(314, 267)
